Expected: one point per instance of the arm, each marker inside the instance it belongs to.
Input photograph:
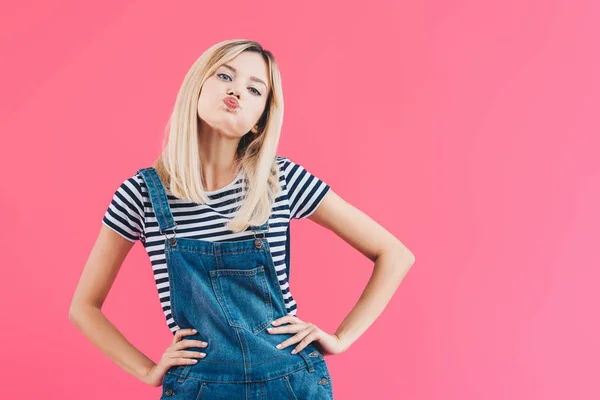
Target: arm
(392, 261)
(98, 275)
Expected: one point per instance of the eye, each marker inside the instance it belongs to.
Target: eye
(256, 92)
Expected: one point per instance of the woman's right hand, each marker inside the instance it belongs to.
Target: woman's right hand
(175, 355)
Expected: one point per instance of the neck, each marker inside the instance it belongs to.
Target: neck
(218, 157)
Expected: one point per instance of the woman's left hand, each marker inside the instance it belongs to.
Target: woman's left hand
(305, 333)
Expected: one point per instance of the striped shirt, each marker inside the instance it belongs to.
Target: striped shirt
(131, 215)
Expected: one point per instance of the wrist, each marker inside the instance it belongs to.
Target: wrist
(145, 372)
(344, 340)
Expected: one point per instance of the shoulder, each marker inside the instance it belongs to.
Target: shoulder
(137, 180)
(132, 190)
(304, 189)
(281, 161)
(134, 182)
(293, 170)
(125, 213)
(287, 166)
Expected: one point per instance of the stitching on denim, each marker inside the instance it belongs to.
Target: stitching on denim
(271, 266)
(184, 248)
(247, 381)
(233, 271)
(161, 196)
(260, 274)
(218, 288)
(268, 300)
(243, 346)
(153, 193)
(222, 302)
(201, 392)
(288, 386)
(171, 291)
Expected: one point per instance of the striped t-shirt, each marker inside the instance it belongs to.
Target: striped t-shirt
(131, 215)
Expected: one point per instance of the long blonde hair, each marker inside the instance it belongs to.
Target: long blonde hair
(179, 164)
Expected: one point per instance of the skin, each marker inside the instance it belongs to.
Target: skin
(219, 134)
(221, 128)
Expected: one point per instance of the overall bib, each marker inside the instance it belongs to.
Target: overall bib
(229, 292)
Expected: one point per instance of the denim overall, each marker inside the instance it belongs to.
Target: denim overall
(229, 292)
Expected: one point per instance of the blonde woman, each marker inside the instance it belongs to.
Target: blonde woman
(213, 213)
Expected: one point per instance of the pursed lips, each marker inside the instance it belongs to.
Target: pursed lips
(231, 102)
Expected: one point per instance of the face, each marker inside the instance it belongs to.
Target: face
(243, 79)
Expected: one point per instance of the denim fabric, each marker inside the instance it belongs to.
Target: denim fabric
(229, 292)
(296, 385)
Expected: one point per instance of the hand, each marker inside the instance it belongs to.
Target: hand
(174, 355)
(305, 333)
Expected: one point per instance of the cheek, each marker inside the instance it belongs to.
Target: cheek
(256, 111)
(209, 97)
(201, 107)
(205, 101)
(209, 107)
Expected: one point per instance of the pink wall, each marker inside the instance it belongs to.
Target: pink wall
(466, 128)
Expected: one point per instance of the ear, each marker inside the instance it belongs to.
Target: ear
(255, 129)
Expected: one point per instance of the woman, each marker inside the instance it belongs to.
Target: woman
(213, 213)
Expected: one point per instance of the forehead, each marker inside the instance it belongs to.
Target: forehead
(250, 65)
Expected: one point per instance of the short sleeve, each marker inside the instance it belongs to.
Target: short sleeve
(305, 190)
(125, 213)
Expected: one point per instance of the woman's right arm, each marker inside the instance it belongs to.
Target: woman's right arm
(99, 273)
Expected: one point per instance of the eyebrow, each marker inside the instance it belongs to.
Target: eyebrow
(252, 78)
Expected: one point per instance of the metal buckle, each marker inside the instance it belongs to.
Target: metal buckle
(171, 239)
(258, 241)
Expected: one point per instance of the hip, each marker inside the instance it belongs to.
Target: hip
(302, 383)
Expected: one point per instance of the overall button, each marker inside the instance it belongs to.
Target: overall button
(314, 354)
(170, 392)
(323, 381)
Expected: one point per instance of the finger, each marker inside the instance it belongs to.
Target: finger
(183, 332)
(188, 354)
(305, 342)
(189, 343)
(285, 319)
(184, 361)
(293, 328)
(294, 339)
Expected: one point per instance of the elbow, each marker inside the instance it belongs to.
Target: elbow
(411, 258)
(408, 260)
(404, 254)
(399, 253)
(75, 311)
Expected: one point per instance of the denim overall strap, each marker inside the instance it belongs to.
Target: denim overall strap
(160, 203)
(287, 253)
(165, 219)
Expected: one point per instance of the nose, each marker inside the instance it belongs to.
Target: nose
(234, 91)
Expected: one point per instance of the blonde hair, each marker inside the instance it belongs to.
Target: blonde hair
(179, 164)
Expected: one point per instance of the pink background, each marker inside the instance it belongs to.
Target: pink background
(468, 129)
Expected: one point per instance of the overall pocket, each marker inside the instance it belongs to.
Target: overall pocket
(244, 297)
(314, 385)
(189, 389)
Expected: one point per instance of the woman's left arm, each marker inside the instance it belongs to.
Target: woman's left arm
(391, 257)
(392, 261)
